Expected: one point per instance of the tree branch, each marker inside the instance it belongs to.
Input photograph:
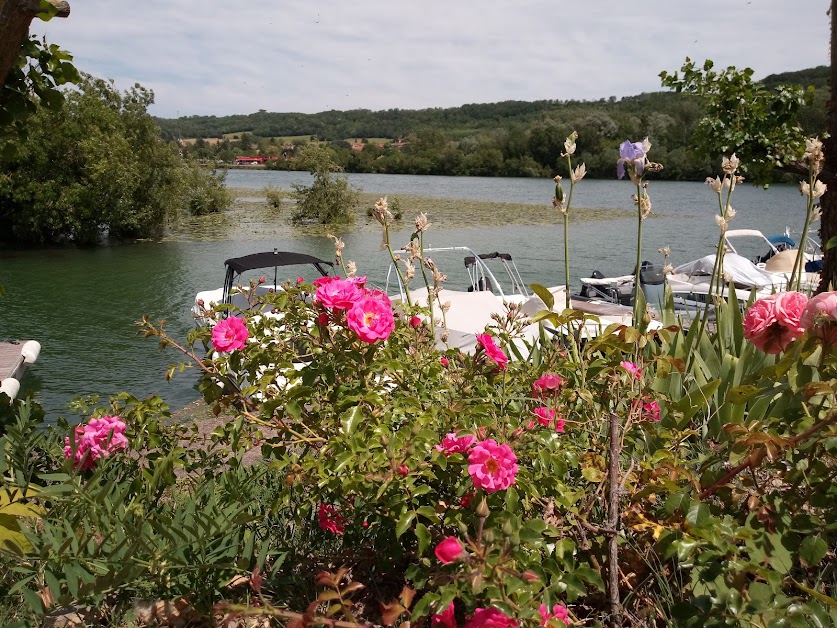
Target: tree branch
(15, 18)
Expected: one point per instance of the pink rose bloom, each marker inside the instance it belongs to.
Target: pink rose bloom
(371, 319)
(403, 470)
(632, 368)
(559, 425)
(492, 351)
(358, 281)
(651, 410)
(545, 415)
(453, 444)
(789, 307)
(377, 294)
(444, 361)
(98, 439)
(321, 281)
(229, 334)
(490, 618)
(547, 384)
(559, 611)
(820, 316)
(336, 293)
(445, 619)
(449, 550)
(329, 520)
(492, 467)
(415, 321)
(762, 324)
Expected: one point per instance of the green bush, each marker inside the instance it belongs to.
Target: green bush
(329, 199)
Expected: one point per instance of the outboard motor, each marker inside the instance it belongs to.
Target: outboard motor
(652, 280)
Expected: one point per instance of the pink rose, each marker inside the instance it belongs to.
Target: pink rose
(559, 425)
(98, 439)
(545, 415)
(329, 520)
(445, 619)
(651, 410)
(449, 550)
(229, 334)
(490, 618)
(763, 328)
(377, 294)
(415, 321)
(820, 316)
(547, 384)
(789, 307)
(632, 368)
(403, 470)
(559, 612)
(492, 351)
(453, 444)
(371, 319)
(322, 319)
(337, 294)
(360, 282)
(492, 467)
(444, 361)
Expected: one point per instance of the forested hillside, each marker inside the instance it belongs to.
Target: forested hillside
(511, 138)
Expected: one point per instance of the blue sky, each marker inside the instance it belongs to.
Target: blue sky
(219, 58)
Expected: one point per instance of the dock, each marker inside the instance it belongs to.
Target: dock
(16, 356)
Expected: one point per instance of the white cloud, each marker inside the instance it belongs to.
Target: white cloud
(204, 58)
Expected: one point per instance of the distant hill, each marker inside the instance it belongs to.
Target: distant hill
(455, 122)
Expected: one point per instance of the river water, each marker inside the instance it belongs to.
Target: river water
(81, 304)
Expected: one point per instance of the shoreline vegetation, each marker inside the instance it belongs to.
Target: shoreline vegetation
(250, 210)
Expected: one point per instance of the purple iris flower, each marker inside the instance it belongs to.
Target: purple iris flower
(630, 152)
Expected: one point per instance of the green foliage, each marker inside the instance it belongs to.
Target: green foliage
(740, 116)
(97, 167)
(275, 198)
(330, 198)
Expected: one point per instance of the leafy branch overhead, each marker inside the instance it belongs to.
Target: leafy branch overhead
(744, 117)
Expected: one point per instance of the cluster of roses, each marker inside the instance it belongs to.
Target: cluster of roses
(547, 388)
(773, 322)
(99, 438)
(492, 467)
(451, 550)
(368, 313)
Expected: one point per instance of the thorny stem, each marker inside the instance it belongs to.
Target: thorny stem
(799, 262)
(613, 523)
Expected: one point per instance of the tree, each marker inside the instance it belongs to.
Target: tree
(30, 70)
(828, 202)
(330, 198)
(98, 167)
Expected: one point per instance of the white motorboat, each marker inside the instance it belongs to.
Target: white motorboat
(265, 271)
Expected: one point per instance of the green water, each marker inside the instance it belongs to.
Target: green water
(81, 304)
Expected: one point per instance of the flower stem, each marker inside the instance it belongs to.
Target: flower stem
(637, 289)
(395, 263)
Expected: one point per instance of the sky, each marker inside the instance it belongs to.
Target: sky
(210, 57)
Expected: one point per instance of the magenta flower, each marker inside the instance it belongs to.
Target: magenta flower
(559, 612)
(632, 368)
(820, 316)
(548, 384)
(559, 425)
(445, 619)
(229, 334)
(651, 410)
(773, 322)
(492, 351)
(337, 294)
(371, 319)
(453, 444)
(490, 618)
(329, 520)
(98, 439)
(632, 155)
(449, 550)
(545, 415)
(492, 467)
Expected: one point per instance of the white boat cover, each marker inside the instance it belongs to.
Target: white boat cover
(741, 270)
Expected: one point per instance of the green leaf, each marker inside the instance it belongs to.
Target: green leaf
(812, 550)
(350, 419)
(832, 242)
(545, 295)
(698, 514)
(592, 474)
(404, 522)
(423, 536)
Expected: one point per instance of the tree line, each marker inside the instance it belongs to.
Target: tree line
(500, 139)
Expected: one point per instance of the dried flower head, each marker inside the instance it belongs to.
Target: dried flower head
(413, 248)
(730, 164)
(338, 246)
(716, 184)
(351, 268)
(569, 144)
(422, 224)
(409, 270)
(721, 222)
(814, 154)
(579, 173)
(818, 190)
(381, 212)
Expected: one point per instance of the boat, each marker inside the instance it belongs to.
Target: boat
(15, 359)
(479, 294)
(264, 269)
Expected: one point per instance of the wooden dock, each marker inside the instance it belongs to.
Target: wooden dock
(15, 357)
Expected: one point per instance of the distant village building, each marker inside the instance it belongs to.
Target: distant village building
(257, 160)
